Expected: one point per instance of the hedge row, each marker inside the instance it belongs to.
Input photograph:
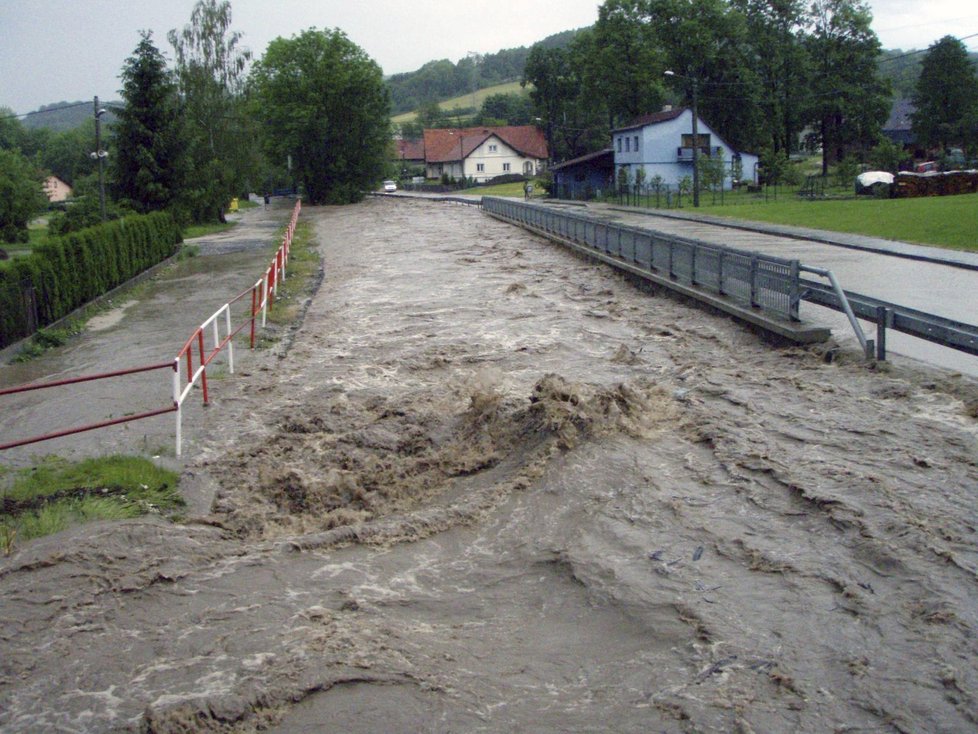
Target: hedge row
(69, 271)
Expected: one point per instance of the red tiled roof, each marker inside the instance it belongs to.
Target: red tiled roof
(654, 118)
(444, 145)
(410, 150)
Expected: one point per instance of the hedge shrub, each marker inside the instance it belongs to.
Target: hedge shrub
(69, 271)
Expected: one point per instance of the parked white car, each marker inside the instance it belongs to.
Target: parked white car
(390, 186)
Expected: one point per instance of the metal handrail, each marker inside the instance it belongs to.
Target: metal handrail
(868, 345)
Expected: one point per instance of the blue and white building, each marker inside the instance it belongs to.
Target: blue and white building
(661, 144)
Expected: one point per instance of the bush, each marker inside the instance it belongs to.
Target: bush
(68, 272)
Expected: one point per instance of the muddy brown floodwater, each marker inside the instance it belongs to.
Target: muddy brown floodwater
(494, 488)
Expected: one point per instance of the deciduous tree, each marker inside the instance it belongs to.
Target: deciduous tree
(210, 66)
(21, 196)
(322, 100)
(946, 97)
(849, 100)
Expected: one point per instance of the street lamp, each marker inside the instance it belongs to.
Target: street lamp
(100, 155)
(696, 138)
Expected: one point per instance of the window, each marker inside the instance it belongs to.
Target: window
(619, 145)
(492, 147)
(480, 167)
(704, 141)
(636, 143)
(505, 166)
(628, 144)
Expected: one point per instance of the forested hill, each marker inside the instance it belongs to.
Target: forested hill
(62, 116)
(439, 80)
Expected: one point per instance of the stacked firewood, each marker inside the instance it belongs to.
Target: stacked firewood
(935, 184)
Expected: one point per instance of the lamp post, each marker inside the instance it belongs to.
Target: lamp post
(100, 155)
(696, 138)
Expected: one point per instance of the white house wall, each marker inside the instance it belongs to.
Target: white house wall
(658, 146)
(494, 156)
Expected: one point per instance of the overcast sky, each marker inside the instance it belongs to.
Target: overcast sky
(54, 50)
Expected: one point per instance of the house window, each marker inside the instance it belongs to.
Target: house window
(628, 144)
(492, 147)
(619, 145)
(505, 166)
(636, 143)
(480, 167)
(704, 141)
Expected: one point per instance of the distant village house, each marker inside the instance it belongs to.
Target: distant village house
(661, 144)
(483, 153)
(56, 189)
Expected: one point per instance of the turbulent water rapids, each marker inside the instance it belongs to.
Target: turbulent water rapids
(491, 487)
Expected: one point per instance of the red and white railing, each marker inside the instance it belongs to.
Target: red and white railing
(189, 367)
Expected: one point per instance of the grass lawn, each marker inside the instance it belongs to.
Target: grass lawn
(57, 494)
(200, 230)
(943, 221)
(513, 189)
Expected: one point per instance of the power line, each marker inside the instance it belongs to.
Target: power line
(921, 51)
(51, 109)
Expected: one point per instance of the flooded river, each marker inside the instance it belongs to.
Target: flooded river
(492, 487)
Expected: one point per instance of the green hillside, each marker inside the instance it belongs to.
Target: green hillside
(466, 100)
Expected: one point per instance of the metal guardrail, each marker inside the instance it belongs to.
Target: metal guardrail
(750, 279)
(930, 327)
(760, 281)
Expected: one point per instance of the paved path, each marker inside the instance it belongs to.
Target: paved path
(141, 329)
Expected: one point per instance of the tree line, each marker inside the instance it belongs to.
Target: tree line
(217, 124)
(762, 73)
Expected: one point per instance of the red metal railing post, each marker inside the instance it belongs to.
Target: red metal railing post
(254, 311)
(203, 363)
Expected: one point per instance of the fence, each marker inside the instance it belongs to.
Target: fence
(750, 279)
(209, 340)
(771, 284)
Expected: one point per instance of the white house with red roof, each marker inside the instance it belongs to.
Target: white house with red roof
(661, 144)
(482, 153)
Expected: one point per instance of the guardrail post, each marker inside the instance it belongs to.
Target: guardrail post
(753, 280)
(794, 292)
(672, 257)
(692, 266)
(884, 318)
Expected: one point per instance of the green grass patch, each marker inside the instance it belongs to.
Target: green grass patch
(300, 275)
(514, 189)
(49, 338)
(466, 100)
(247, 204)
(202, 230)
(942, 221)
(57, 494)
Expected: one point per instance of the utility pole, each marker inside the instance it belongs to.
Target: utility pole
(99, 155)
(696, 149)
(696, 137)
